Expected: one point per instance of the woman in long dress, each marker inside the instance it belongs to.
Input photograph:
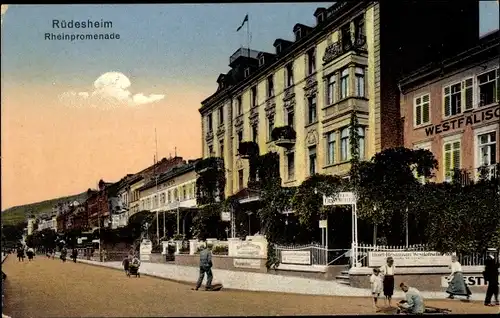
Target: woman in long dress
(456, 283)
(388, 281)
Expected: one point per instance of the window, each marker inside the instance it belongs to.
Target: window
(254, 96)
(312, 160)
(240, 137)
(270, 127)
(458, 97)
(169, 197)
(261, 61)
(255, 133)
(487, 147)
(162, 199)
(297, 34)
(270, 86)
(344, 84)
(210, 151)
(359, 24)
(344, 144)
(176, 195)
(290, 158)
(312, 111)
(247, 72)
(221, 115)
(487, 88)
(360, 82)
(346, 36)
(361, 142)
(311, 61)
(184, 192)
(330, 146)
(290, 120)
(289, 74)
(239, 106)
(240, 179)
(321, 18)
(330, 89)
(451, 158)
(421, 110)
(221, 148)
(210, 123)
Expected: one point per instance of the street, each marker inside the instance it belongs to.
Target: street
(50, 288)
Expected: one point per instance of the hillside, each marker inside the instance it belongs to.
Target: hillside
(18, 214)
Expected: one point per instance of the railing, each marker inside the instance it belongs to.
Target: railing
(319, 254)
(474, 259)
(364, 249)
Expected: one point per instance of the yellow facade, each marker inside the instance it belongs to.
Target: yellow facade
(333, 117)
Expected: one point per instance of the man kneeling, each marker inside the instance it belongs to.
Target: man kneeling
(414, 303)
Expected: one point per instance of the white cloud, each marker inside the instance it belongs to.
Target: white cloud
(110, 89)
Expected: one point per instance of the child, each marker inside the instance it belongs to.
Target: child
(376, 285)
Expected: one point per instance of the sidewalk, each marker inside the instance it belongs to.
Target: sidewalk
(261, 282)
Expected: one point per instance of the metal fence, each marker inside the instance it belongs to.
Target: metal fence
(319, 254)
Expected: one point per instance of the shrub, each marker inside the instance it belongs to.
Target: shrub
(220, 250)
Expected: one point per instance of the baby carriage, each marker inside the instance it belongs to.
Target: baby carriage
(134, 268)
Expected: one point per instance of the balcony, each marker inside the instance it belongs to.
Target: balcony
(243, 53)
(248, 149)
(338, 48)
(284, 136)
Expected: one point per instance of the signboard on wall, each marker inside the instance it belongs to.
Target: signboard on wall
(296, 257)
(409, 258)
(225, 216)
(248, 249)
(473, 280)
(343, 198)
(323, 224)
(246, 263)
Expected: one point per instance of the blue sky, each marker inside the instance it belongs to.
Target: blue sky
(158, 41)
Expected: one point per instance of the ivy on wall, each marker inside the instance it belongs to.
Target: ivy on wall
(210, 181)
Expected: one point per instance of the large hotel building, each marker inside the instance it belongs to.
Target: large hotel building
(452, 109)
(349, 61)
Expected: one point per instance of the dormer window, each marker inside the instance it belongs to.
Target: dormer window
(298, 34)
(321, 18)
(247, 72)
(261, 61)
(278, 49)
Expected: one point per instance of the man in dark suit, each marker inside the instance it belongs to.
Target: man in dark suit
(491, 276)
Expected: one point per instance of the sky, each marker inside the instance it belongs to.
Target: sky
(74, 112)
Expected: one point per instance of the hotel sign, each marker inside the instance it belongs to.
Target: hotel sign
(457, 123)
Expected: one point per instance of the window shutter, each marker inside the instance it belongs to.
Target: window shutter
(456, 155)
(447, 101)
(447, 160)
(418, 115)
(498, 86)
(425, 109)
(468, 93)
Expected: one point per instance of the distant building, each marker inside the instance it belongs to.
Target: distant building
(452, 109)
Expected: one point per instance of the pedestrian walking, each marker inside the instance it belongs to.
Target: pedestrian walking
(205, 268)
(20, 254)
(30, 253)
(456, 282)
(376, 286)
(64, 253)
(490, 274)
(387, 272)
(126, 264)
(74, 254)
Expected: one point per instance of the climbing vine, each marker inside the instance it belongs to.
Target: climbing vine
(211, 180)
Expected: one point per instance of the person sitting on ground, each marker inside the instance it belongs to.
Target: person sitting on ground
(414, 303)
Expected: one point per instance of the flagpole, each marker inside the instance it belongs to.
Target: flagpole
(248, 35)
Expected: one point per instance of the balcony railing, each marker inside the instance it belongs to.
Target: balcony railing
(243, 52)
(340, 47)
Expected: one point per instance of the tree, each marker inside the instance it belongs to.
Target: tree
(388, 187)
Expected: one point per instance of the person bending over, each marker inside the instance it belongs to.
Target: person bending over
(414, 303)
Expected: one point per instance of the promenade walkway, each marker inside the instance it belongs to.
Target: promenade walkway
(263, 282)
(50, 288)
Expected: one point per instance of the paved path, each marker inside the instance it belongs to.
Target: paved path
(264, 282)
(50, 288)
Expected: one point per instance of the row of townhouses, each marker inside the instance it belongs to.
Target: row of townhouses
(430, 84)
(167, 185)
